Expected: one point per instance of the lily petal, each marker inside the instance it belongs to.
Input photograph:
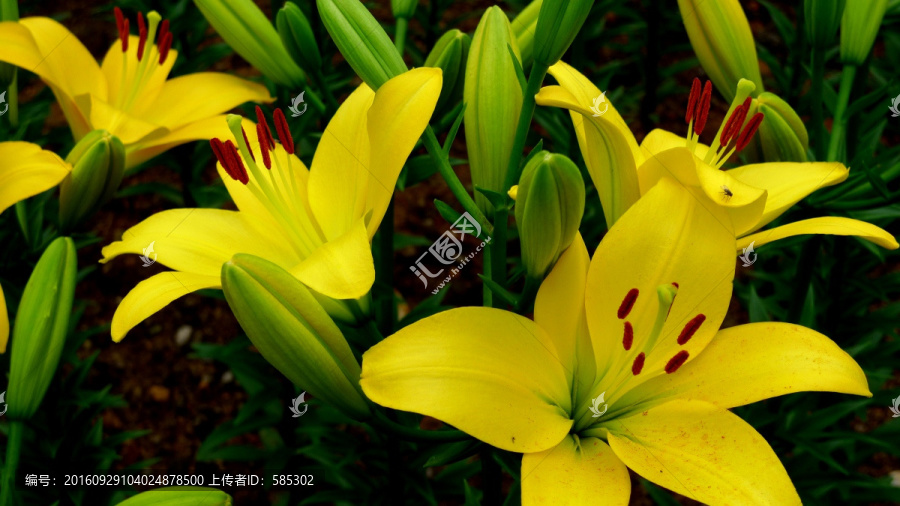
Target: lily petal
(659, 140)
(143, 94)
(827, 225)
(341, 269)
(703, 452)
(199, 241)
(4, 323)
(153, 294)
(573, 473)
(26, 170)
(788, 183)
(749, 363)
(204, 129)
(488, 372)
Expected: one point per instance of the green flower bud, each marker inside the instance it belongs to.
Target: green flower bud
(782, 134)
(549, 206)
(404, 8)
(179, 496)
(450, 54)
(297, 37)
(494, 102)
(558, 23)
(98, 164)
(248, 31)
(721, 37)
(39, 332)
(361, 40)
(859, 26)
(9, 11)
(822, 18)
(293, 332)
(524, 27)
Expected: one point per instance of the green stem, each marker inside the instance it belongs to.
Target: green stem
(319, 80)
(13, 100)
(526, 299)
(538, 71)
(803, 277)
(13, 448)
(818, 120)
(385, 312)
(840, 122)
(456, 187)
(487, 294)
(382, 422)
(498, 251)
(400, 34)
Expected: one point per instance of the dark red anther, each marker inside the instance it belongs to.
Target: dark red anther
(142, 31)
(218, 150)
(165, 44)
(261, 120)
(237, 170)
(677, 361)
(627, 303)
(675, 284)
(691, 328)
(284, 133)
(163, 29)
(702, 113)
(247, 142)
(638, 364)
(628, 338)
(749, 131)
(735, 122)
(122, 27)
(263, 144)
(124, 36)
(692, 101)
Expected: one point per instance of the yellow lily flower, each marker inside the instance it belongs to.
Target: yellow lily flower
(622, 367)
(316, 223)
(128, 94)
(25, 171)
(752, 195)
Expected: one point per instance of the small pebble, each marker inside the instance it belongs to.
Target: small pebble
(183, 335)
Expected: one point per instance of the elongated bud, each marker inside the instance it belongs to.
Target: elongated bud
(39, 331)
(558, 23)
(248, 31)
(9, 11)
(297, 37)
(494, 102)
(293, 332)
(404, 8)
(361, 40)
(450, 54)
(822, 18)
(859, 27)
(173, 496)
(721, 37)
(782, 135)
(549, 206)
(524, 27)
(98, 165)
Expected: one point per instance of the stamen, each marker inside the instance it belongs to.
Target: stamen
(284, 133)
(218, 151)
(677, 361)
(638, 364)
(163, 29)
(675, 284)
(122, 27)
(142, 31)
(165, 44)
(628, 303)
(692, 101)
(735, 122)
(628, 339)
(703, 108)
(238, 172)
(247, 142)
(261, 120)
(691, 328)
(749, 131)
(263, 145)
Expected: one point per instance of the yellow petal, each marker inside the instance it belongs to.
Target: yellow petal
(341, 269)
(487, 372)
(4, 323)
(702, 452)
(559, 310)
(574, 473)
(129, 128)
(749, 363)
(140, 95)
(667, 237)
(26, 170)
(199, 241)
(153, 294)
(659, 140)
(204, 129)
(788, 183)
(827, 225)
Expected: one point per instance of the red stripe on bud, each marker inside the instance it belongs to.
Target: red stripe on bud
(702, 113)
(749, 131)
(284, 133)
(638, 364)
(247, 142)
(628, 338)
(261, 120)
(692, 101)
(142, 31)
(628, 303)
(691, 328)
(677, 361)
(263, 145)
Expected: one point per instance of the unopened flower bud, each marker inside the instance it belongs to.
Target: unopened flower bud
(98, 165)
(297, 37)
(449, 54)
(859, 27)
(524, 27)
(404, 8)
(822, 18)
(782, 134)
(174, 496)
(558, 23)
